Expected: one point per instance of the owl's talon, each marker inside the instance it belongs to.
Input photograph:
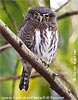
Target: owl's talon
(45, 63)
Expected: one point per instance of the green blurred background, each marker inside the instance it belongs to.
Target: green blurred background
(65, 63)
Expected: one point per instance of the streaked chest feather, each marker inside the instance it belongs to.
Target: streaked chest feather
(46, 44)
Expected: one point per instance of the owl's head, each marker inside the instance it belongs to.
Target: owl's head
(42, 15)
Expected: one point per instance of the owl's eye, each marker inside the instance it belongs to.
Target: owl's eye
(47, 16)
(35, 14)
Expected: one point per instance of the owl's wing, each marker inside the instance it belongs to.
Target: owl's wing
(26, 34)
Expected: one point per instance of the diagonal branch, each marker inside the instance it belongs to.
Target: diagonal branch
(47, 73)
(62, 6)
(10, 16)
(67, 14)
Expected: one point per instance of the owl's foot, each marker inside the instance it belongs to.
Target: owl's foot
(45, 63)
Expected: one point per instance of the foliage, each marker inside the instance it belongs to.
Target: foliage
(66, 59)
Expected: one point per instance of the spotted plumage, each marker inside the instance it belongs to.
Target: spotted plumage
(39, 33)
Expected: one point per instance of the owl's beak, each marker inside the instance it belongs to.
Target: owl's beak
(40, 18)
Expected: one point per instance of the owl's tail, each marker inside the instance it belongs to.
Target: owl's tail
(24, 81)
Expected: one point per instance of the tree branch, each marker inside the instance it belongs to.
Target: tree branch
(67, 14)
(9, 78)
(17, 77)
(47, 73)
(62, 6)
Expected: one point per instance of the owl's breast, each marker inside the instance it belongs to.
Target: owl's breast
(45, 44)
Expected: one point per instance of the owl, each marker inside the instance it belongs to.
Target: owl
(39, 34)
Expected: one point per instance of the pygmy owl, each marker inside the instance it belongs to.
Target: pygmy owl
(39, 33)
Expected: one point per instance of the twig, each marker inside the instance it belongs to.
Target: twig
(10, 16)
(36, 63)
(9, 78)
(62, 6)
(67, 14)
(2, 48)
(17, 77)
